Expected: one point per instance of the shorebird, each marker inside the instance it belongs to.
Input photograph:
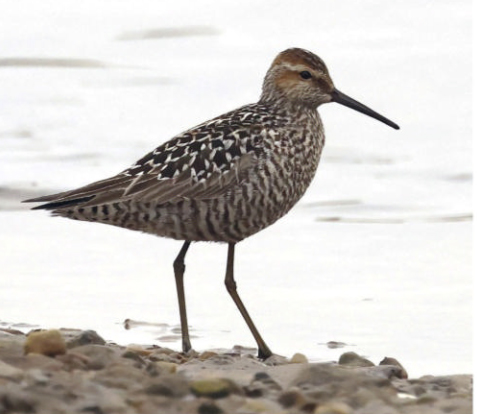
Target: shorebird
(225, 179)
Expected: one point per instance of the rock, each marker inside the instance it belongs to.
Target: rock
(10, 372)
(212, 388)
(161, 367)
(166, 367)
(385, 371)
(260, 405)
(37, 376)
(402, 373)
(292, 398)
(73, 361)
(12, 331)
(140, 350)
(16, 400)
(363, 396)
(453, 405)
(168, 385)
(334, 408)
(85, 338)
(109, 379)
(174, 357)
(221, 359)
(377, 405)
(431, 386)
(298, 358)
(99, 356)
(49, 343)
(262, 385)
(100, 400)
(321, 374)
(11, 346)
(133, 356)
(207, 354)
(121, 376)
(36, 361)
(209, 408)
(162, 350)
(275, 360)
(354, 360)
(323, 383)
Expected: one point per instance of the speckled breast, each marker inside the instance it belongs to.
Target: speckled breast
(278, 179)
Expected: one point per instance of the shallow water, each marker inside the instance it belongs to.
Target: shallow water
(378, 253)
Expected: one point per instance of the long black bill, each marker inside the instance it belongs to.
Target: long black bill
(341, 98)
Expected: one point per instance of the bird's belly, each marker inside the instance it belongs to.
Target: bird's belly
(243, 211)
(261, 197)
(238, 214)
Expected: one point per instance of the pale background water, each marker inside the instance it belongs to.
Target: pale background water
(377, 254)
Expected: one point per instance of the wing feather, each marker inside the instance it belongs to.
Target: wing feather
(148, 188)
(202, 163)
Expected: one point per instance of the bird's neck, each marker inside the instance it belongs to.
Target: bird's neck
(298, 112)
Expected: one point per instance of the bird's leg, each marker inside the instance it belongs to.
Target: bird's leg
(179, 268)
(263, 350)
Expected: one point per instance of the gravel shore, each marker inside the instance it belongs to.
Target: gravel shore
(73, 371)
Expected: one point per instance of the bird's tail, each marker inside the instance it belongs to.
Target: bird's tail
(55, 201)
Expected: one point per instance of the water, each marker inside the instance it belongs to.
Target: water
(377, 254)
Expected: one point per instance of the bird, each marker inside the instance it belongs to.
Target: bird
(225, 179)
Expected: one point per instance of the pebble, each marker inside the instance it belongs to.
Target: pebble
(168, 367)
(261, 406)
(11, 345)
(140, 350)
(292, 398)
(174, 357)
(263, 384)
(212, 388)
(112, 379)
(38, 361)
(8, 371)
(298, 358)
(354, 360)
(387, 371)
(158, 368)
(73, 361)
(12, 331)
(207, 354)
(209, 408)
(85, 338)
(402, 373)
(49, 343)
(98, 356)
(168, 385)
(138, 360)
(38, 376)
(334, 408)
(120, 376)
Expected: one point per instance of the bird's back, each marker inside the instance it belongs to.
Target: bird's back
(223, 180)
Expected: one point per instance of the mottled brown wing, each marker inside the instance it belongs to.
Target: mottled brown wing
(206, 173)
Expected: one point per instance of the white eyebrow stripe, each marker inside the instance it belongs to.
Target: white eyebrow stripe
(297, 67)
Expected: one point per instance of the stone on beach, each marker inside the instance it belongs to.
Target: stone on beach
(139, 379)
(49, 343)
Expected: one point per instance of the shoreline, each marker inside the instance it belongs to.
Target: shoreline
(71, 371)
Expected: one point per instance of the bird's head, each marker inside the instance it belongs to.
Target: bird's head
(301, 78)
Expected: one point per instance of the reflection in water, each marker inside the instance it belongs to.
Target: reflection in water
(51, 62)
(162, 332)
(169, 32)
(399, 220)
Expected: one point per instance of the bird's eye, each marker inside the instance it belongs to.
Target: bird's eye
(305, 74)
